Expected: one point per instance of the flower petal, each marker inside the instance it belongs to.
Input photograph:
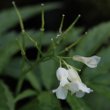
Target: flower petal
(80, 94)
(73, 75)
(73, 87)
(89, 61)
(64, 82)
(83, 87)
(78, 87)
(62, 75)
(61, 92)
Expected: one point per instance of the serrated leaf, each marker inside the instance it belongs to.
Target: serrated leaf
(6, 98)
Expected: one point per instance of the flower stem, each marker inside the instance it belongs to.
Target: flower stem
(71, 46)
(61, 25)
(42, 19)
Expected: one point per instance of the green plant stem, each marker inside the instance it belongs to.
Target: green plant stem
(61, 25)
(19, 16)
(20, 82)
(42, 19)
(63, 35)
(70, 27)
(70, 46)
(34, 42)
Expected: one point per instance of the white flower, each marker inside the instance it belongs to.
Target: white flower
(89, 61)
(61, 92)
(77, 86)
(70, 81)
(62, 76)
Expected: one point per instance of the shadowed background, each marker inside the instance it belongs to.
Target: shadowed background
(92, 12)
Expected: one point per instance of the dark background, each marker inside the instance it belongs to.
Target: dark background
(92, 12)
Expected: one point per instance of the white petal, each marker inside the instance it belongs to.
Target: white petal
(64, 82)
(89, 61)
(83, 87)
(93, 61)
(79, 88)
(80, 94)
(73, 87)
(62, 75)
(61, 92)
(73, 75)
(61, 72)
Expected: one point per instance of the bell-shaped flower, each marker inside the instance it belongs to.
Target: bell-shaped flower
(70, 81)
(89, 61)
(61, 92)
(62, 76)
(77, 86)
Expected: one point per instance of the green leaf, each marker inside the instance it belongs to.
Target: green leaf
(8, 45)
(103, 79)
(33, 105)
(93, 40)
(25, 94)
(6, 98)
(101, 89)
(14, 70)
(26, 13)
(33, 79)
(51, 103)
(97, 101)
(7, 49)
(77, 103)
(45, 101)
(48, 69)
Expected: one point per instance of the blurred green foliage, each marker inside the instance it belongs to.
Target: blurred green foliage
(42, 76)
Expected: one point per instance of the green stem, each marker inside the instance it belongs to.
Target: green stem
(19, 16)
(34, 42)
(63, 35)
(70, 27)
(42, 19)
(61, 25)
(70, 46)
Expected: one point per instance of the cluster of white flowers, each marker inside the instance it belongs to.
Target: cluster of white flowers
(70, 80)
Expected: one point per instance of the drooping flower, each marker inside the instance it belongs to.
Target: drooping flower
(77, 86)
(61, 92)
(89, 61)
(70, 81)
(62, 76)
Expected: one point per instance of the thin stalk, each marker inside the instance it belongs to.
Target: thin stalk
(61, 25)
(42, 18)
(70, 46)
